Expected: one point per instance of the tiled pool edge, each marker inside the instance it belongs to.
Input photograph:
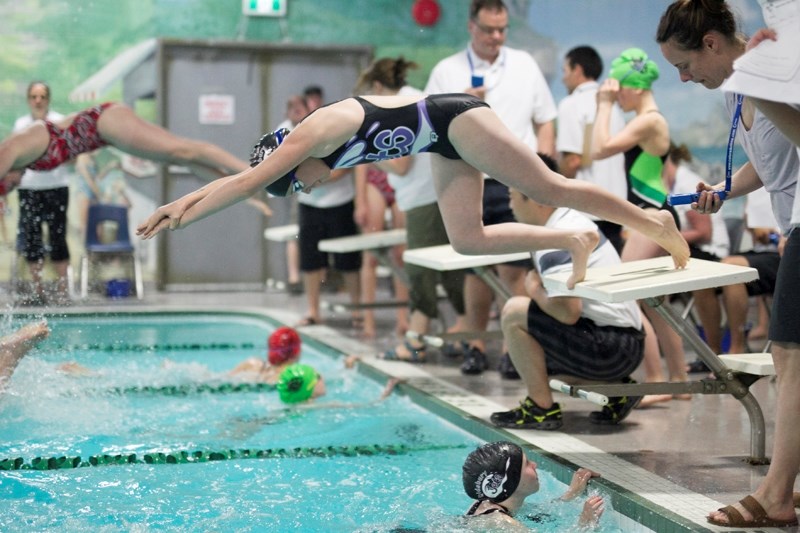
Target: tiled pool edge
(637, 495)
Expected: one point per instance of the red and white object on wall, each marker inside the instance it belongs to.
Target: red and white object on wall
(426, 12)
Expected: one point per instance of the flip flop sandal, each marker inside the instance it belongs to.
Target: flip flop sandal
(417, 354)
(759, 516)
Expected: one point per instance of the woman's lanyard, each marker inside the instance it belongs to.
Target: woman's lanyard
(731, 138)
(688, 198)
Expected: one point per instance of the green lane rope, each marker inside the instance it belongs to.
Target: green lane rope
(192, 388)
(186, 346)
(200, 456)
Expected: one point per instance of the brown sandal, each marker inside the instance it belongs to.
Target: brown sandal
(759, 516)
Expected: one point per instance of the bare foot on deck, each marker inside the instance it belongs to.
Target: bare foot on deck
(580, 248)
(652, 399)
(669, 238)
(14, 346)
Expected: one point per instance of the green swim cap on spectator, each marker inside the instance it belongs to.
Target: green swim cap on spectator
(634, 69)
(296, 383)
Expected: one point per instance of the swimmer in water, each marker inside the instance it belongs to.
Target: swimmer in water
(283, 349)
(499, 476)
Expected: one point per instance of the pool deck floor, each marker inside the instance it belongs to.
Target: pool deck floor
(688, 456)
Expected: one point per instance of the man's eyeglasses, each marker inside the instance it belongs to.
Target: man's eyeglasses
(489, 30)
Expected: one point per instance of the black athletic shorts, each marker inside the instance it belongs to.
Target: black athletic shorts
(785, 323)
(586, 350)
(317, 224)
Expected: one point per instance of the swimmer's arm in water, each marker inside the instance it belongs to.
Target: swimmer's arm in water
(387, 390)
(243, 428)
(76, 369)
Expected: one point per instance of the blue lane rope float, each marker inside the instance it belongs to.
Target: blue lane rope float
(204, 456)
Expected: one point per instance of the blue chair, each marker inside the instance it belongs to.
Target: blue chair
(120, 246)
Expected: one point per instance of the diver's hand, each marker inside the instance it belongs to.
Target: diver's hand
(165, 217)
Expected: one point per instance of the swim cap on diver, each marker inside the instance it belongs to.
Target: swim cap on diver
(285, 185)
(283, 345)
(493, 471)
(634, 69)
(296, 383)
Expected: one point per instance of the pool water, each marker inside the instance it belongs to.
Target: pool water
(387, 466)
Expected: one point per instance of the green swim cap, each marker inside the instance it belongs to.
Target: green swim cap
(634, 69)
(296, 383)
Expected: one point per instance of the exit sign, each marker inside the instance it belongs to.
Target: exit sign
(265, 8)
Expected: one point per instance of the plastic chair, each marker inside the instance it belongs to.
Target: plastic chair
(121, 246)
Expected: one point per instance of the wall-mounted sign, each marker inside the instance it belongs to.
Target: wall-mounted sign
(217, 109)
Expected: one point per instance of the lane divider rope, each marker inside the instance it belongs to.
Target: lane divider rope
(135, 347)
(191, 388)
(204, 456)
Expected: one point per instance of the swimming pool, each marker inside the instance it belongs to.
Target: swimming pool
(380, 467)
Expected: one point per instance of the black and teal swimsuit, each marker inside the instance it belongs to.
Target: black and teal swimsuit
(389, 133)
(646, 187)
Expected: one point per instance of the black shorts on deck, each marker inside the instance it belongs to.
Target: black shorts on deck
(47, 206)
(785, 324)
(586, 350)
(767, 264)
(317, 224)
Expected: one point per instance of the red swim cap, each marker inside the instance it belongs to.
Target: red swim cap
(284, 345)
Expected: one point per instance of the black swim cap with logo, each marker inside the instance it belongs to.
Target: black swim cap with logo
(286, 184)
(493, 471)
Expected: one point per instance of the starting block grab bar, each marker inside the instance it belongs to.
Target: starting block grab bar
(594, 397)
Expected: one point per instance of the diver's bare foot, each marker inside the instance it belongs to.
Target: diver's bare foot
(580, 247)
(670, 238)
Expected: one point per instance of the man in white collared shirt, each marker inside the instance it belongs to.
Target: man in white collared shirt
(581, 69)
(511, 82)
